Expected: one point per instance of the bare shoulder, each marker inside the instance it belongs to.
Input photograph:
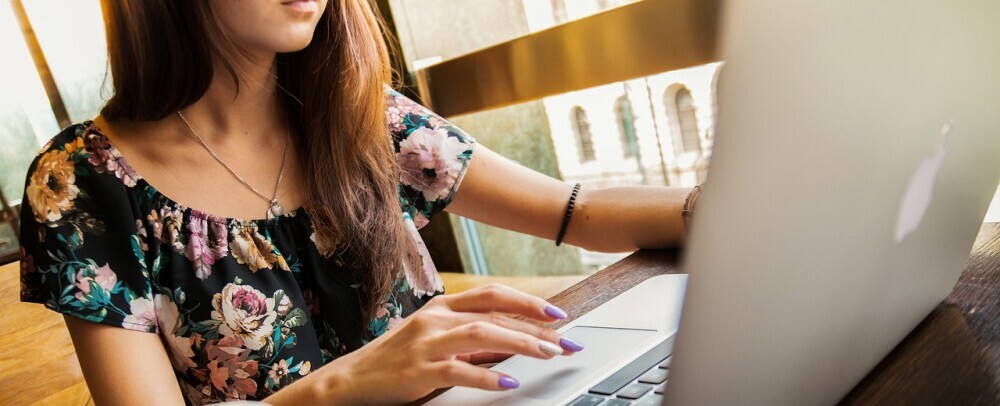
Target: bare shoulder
(133, 139)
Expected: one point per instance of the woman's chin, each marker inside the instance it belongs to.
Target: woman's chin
(293, 38)
(296, 47)
(287, 43)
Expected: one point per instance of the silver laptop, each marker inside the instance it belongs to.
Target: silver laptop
(857, 150)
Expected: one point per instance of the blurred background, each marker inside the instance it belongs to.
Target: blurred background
(641, 123)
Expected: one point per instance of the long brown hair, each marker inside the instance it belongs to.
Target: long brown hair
(160, 54)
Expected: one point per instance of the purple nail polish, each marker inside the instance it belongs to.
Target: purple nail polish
(569, 344)
(507, 382)
(555, 312)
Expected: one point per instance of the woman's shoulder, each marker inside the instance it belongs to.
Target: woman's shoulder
(71, 142)
(432, 155)
(69, 138)
(86, 149)
(70, 167)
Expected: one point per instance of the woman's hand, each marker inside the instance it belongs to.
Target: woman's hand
(435, 347)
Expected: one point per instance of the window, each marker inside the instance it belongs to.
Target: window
(555, 132)
(626, 127)
(558, 11)
(683, 119)
(67, 37)
(584, 139)
(76, 57)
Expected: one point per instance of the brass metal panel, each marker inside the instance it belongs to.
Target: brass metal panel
(635, 40)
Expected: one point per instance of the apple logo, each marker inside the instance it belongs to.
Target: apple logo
(920, 191)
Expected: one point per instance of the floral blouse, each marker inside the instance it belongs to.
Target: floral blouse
(244, 307)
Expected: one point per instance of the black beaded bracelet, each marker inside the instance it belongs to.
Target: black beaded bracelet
(569, 214)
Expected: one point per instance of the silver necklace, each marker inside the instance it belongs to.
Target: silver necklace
(273, 209)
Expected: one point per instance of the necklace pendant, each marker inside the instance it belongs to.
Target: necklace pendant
(274, 210)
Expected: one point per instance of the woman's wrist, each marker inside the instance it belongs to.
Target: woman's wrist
(334, 388)
(327, 385)
(687, 211)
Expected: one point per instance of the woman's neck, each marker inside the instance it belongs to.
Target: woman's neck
(250, 108)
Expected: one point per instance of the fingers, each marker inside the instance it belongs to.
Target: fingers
(499, 298)
(569, 345)
(450, 373)
(484, 358)
(482, 336)
(507, 322)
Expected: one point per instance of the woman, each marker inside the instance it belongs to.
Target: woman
(239, 197)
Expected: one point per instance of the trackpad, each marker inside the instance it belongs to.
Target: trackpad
(545, 381)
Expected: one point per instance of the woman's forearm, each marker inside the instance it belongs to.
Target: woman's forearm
(620, 219)
(616, 219)
(324, 386)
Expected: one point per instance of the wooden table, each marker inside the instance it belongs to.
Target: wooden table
(951, 358)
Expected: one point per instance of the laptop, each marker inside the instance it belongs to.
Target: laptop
(857, 150)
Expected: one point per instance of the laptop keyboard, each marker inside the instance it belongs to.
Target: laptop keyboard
(640, 383)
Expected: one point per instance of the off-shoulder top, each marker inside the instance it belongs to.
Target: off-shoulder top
(244, 307)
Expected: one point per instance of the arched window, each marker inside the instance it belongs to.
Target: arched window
(626, 127)
(584, 139)
(606, 4)
(688, 120)
(684, 118)
(558, 10)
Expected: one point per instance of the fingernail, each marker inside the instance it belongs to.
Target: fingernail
(570, 344)
(555, 312)
(549, 348)
(507, 382)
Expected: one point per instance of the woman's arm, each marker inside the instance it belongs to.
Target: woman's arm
(502, 193)
(123, 367)
(431, 349)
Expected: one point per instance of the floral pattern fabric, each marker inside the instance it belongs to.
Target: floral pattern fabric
(243, 307)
